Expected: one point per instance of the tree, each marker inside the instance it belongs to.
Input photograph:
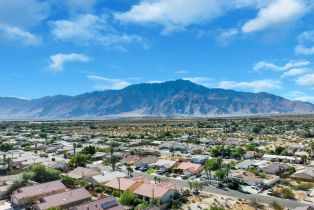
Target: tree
(220, 174)
(127, 198)
(79, 159)
(74, 148)
(239, 152)
(42, 174)
(4, 147)
(210, 165)
(287, 193)
(113, 160)
(91, 150)
(219, 161)
(279, 150)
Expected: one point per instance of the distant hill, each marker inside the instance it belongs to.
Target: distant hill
(173, 98)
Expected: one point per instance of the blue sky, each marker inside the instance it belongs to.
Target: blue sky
(51, 47)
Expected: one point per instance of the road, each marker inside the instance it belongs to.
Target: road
(291, 204)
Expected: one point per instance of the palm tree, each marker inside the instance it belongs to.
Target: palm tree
(191, 185)
(200, 186)
(113, 160)
(210, 165)
(219, 161)
(228, 170)
(74, 148)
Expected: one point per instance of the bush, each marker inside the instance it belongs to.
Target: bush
(127, 198)
(216, 208)
(42, 174)
(276, 206)
(287, 193)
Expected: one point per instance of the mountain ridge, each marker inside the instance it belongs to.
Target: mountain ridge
(172, 98)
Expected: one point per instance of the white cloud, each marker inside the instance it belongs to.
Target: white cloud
(205, 81)
(16, 34)
(256, 86)
(25, 13)
(295, 72)
(300, 96)
(224, 37)
(90, 29)
(176, 15)
(305, 43)
(277, 13)
(57, 61)
(108, 83)
(270, 66)
(155, 82)
(17, 17)
(306, 80)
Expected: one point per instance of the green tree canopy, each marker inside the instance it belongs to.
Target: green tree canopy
(79, 159)
(127, 198)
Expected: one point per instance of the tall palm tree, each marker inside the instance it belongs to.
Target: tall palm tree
(113, 159)
(74, 148)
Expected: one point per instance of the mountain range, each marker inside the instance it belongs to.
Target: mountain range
(173, 98)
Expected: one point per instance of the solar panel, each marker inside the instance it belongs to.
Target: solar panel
(108, 204)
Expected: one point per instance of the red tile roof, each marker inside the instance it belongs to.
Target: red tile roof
(125, 183)
(192, 167)
(155, 190)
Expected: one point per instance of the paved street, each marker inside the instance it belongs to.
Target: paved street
(227, 192)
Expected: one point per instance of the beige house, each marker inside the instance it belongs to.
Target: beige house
(23, 195)
(81, 172)
(65, 200)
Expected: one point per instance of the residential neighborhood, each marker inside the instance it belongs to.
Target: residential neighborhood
(174, 165)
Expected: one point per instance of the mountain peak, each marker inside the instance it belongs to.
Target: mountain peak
(172, 98)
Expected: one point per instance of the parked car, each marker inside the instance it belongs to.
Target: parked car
(144, 168)
(161, 171)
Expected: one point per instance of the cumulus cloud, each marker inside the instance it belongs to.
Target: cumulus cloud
(306, 80)
(225, 36)
(176, 15)
(165, 13)
(301, 96)
(264, 65)
(16, 34)
(278, 12)
(256, 86)
(24, 13)
(108, 83)
(305, 43)
(89, 29)
(57, 61)
(17, 17)
(295, 72)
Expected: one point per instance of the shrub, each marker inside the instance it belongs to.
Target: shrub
(276, 206)
(127, 198)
